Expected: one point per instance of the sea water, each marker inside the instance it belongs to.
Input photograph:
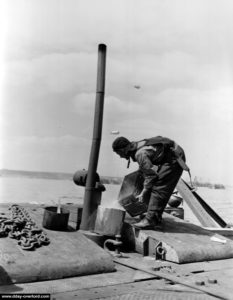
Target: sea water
(47, 191)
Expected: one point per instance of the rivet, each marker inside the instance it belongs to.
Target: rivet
(200, 282)
(212, 280)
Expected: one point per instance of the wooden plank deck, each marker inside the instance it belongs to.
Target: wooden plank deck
(127, 283)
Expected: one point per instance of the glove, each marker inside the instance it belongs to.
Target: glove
(142, 195)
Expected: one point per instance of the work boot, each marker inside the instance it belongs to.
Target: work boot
(146, 224)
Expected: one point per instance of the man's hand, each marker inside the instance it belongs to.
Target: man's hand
(142, 195)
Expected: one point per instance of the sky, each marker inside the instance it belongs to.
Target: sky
(178, 52)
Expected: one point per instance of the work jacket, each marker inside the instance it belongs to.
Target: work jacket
(154, 152)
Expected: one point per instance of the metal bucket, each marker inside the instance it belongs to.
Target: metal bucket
(175, 201)
(55, 221)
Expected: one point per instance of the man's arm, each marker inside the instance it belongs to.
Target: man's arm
(148, 170)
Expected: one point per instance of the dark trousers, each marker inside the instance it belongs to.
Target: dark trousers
(168, 177)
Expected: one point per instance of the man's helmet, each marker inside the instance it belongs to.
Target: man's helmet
(120, 143)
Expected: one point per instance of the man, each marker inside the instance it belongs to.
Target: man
(161, 162)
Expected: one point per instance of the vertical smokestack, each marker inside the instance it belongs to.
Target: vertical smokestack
(90, 205)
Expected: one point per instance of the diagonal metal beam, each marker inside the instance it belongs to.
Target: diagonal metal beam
(194, 204)
(209, 209)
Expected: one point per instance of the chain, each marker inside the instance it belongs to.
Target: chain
(22, 228)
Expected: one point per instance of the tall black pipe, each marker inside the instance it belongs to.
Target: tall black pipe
(90, 203)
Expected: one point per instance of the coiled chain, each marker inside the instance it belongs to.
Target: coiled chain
(22, 228)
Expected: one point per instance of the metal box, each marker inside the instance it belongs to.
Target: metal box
(131, 187)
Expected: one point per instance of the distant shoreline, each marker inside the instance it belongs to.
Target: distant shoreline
(53, 176)
(69, 176)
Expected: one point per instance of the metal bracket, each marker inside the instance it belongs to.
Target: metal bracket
(160, 251)
(116, 243)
